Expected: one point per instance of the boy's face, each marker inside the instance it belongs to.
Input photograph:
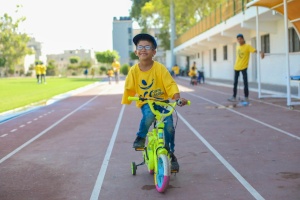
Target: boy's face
(241, 40)
(142, 52)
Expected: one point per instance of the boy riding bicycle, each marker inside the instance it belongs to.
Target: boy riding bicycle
(149, 78)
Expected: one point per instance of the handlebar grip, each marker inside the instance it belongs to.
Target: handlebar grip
(188, 103)
(133, 98)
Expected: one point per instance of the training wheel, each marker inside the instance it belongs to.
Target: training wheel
(291, 107)
(133, 168)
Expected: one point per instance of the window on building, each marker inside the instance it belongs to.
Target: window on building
(129, 30)
(215, 54)
(225, 57)
(198, 55)
(294, 42)
(265, 43)
(129, 42)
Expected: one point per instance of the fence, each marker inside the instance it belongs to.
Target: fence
(220, 14)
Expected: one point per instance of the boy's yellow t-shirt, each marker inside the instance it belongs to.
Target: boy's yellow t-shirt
(43, 69)
(156, 83)
(242, 56)
(37, 69)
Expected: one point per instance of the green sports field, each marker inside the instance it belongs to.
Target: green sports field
(18, 92)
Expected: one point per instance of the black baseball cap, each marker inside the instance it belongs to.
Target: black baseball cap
(144, 36)
(240, 35)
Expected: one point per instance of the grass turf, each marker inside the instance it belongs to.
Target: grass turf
(18, 92)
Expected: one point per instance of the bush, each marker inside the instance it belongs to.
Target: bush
(29, 73)
(102, 70)
(21, 72)
(74, 74)
(11, 71)
(125, 69)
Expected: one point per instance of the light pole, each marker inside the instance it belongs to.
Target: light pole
(172, 33)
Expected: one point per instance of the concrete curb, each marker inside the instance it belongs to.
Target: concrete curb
(17, 112)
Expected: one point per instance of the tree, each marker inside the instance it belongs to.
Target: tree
(2, 62)
(107, 57)
(85, 64)
(156, 13)
(51, 68)
(13, 44)
(124, 69)
(135, 12)
(133, 56)
(74, 60)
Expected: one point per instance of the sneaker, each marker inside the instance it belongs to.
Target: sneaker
(174, 163)
(139, 142)
(232, 99)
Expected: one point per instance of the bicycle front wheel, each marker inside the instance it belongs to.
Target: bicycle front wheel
(162, 176)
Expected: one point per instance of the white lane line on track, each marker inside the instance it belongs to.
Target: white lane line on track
(3, 135)
(40, 116)
(47, 129)
(35, 119)
(14, 130)
(22, 126)
(29, 122)
(235, 173)
(97, 188)
(248, 117)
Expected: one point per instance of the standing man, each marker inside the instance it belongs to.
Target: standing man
(43, 72)
(37, 71)
(116, 67)
(241, 65)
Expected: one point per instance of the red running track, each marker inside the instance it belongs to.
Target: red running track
(80, 148)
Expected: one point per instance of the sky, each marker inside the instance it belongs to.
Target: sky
(64, 24)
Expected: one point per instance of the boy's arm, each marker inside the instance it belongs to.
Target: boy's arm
(129, 89)
(253, 50)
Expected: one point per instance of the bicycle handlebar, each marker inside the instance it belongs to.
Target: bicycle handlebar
(133, 98)
(158, 102)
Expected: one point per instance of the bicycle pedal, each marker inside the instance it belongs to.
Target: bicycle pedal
(139, 149)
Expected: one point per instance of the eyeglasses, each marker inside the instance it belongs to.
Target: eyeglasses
(147, 47)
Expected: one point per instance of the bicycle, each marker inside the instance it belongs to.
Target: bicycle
(155, 154)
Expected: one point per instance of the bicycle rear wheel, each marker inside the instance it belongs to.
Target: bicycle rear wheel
(162, 177)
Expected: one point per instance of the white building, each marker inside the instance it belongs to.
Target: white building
(122, 38)
(37, 47)
(63, 60)
(212, 43)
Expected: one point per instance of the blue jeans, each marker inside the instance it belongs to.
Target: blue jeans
(148, 119)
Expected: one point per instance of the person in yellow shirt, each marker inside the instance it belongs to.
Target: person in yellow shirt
(149, 78)
(93, 72)
(43, 69)
(193, 75)
(110, 74)
(175, 70)
(241, 65)
(116, 67)
(37, 69)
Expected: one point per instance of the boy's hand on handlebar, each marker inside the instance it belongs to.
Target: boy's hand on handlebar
(181, 102)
